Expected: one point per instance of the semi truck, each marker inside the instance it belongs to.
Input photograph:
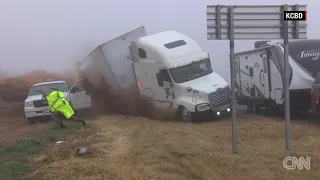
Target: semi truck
(260, 76)
(168, 69)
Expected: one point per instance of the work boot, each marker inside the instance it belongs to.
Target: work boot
(83, 122)
(62, 125)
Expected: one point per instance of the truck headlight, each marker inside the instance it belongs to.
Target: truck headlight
(203, 107)
(28, 104)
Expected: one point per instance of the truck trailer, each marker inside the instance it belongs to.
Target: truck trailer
(166, 68)
(260, 76)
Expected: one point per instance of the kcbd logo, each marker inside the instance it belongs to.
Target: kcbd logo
(295, 15)
(295, 162)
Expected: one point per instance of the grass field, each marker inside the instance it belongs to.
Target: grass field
(15, 158)
(127, 148)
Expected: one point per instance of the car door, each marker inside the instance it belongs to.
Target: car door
(79, 97)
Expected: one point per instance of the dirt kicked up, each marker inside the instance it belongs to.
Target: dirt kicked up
(124, 147)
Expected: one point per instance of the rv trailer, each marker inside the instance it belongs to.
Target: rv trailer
(260, 76)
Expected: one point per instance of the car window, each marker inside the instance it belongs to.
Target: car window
(54, 86)
(80, 85)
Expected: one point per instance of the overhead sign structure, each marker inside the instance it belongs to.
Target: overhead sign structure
(247, 22)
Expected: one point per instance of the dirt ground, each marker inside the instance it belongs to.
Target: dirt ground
(17, 130)
(12, 126)
(127, 148)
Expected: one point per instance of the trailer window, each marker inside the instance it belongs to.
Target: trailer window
(175, 44)
(142, 53)
(191, 71)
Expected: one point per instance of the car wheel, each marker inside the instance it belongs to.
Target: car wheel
(186, 115)
(29, 121)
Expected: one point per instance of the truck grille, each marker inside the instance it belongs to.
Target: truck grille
(40, 103)
(221, 97)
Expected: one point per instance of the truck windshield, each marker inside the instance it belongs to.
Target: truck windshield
(191, 71)
(54, 86)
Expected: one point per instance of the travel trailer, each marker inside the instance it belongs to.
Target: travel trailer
(260, 75)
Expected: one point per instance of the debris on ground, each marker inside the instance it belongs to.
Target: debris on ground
(81, 151)
(60, 142)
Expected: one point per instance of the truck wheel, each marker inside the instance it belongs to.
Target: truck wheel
(257, 109)
(132, 109)
(29, 121)
(249, 107)
(185, 115)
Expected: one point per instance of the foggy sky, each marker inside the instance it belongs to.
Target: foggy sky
(52, 35)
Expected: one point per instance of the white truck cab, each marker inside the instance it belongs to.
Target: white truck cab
(36, 106)
(168, 68)
(172, 69)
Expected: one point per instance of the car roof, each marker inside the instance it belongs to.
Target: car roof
(49, 82)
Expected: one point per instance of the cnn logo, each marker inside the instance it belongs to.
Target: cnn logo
(292, 162)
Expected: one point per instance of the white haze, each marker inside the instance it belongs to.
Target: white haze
(52, 35)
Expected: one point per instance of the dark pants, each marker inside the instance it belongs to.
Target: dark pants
(59, 117)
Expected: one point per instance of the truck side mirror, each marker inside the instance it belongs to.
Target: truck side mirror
(251, 72)
(159, 79)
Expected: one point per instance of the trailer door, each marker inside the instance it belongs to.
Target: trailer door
(264, 76)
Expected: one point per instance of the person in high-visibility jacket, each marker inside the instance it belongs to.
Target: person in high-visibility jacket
(60, 108)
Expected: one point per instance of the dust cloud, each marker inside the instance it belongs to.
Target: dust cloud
(124, 103)
(13, 88)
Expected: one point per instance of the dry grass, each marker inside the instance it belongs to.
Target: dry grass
(127, 148)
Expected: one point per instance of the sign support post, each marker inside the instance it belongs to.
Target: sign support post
(286, 81)
(232, 78)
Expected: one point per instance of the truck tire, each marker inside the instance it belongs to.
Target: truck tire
(249, 107)
(132, 109)
(257, 109)
(185, 115)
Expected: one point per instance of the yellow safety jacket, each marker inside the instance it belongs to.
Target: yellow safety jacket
(57, 101)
